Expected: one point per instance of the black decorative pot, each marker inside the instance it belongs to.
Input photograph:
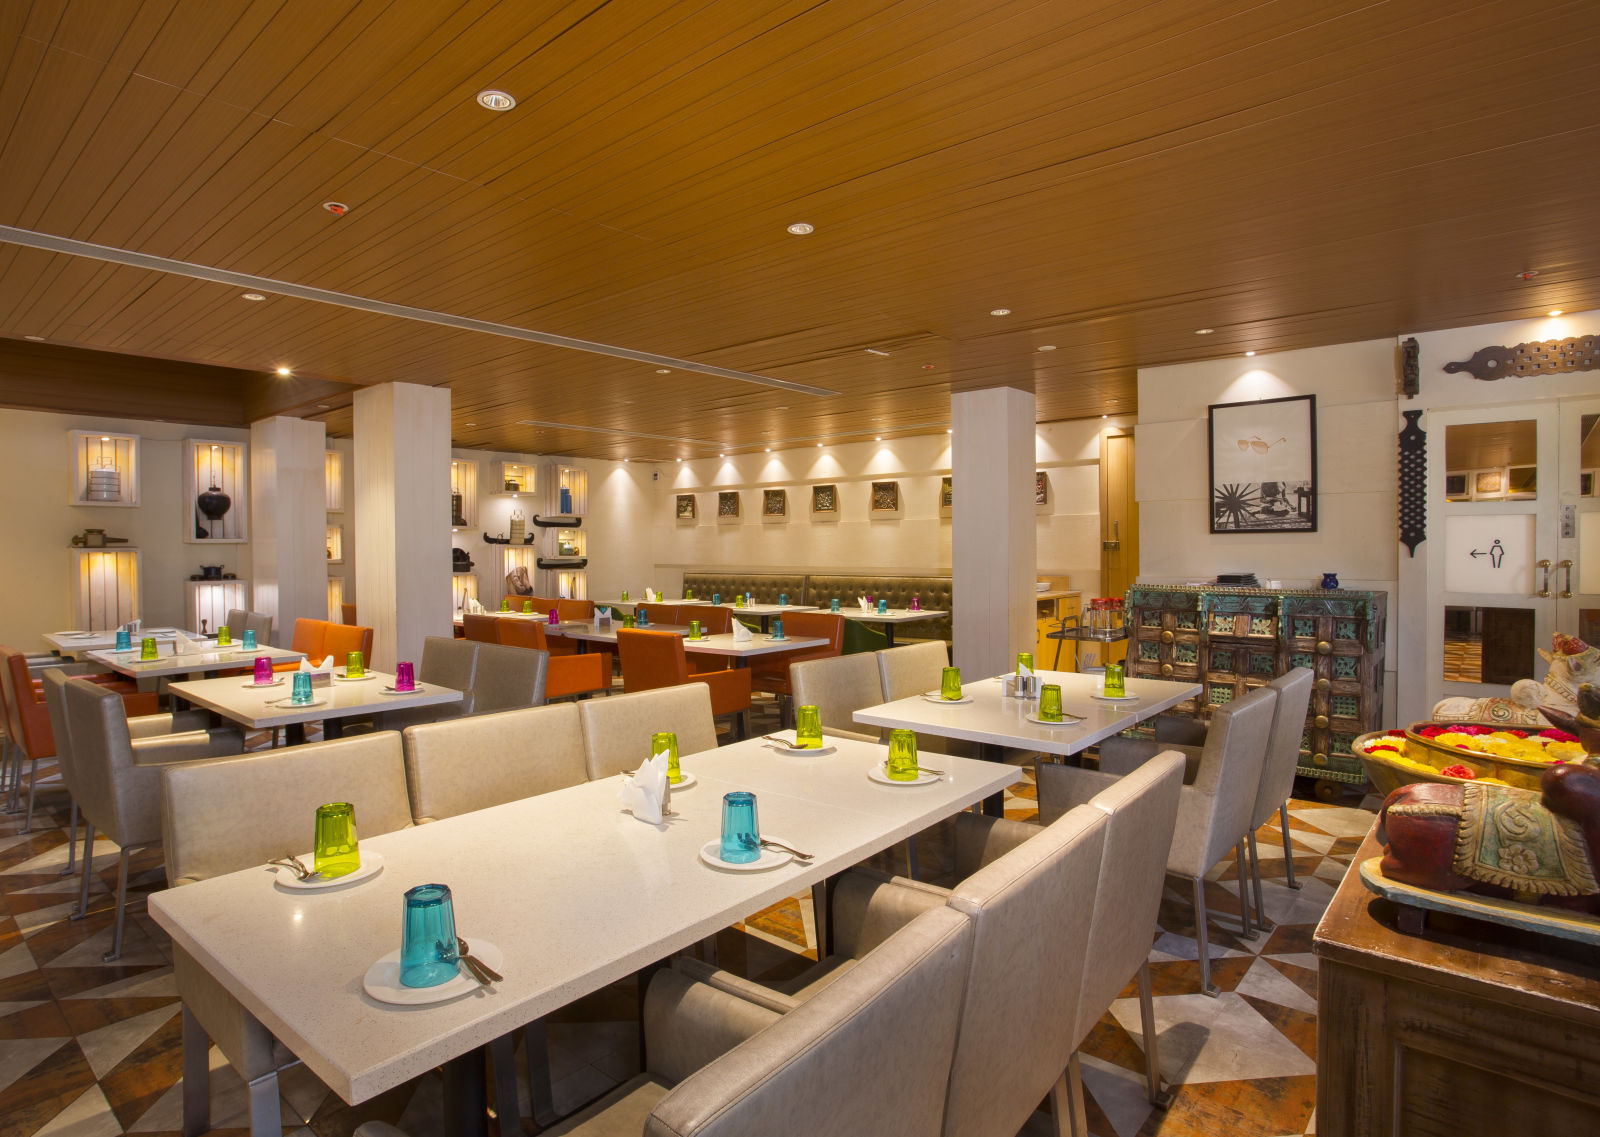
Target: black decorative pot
(214, 503)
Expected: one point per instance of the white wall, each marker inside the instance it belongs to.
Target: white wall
(37, 589)
(915, 542)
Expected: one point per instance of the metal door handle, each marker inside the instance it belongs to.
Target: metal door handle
(1544, 589)
(1566, 592)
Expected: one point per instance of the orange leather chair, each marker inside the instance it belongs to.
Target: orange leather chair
(568, 674)
(319, 639)
(484, 629)
(715, 620)
(770, 673)
(657, 659)
(663, 613)
(347, 613)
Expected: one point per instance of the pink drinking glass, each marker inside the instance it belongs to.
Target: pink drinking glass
(263, 670)
(554, 612)
(405, 677)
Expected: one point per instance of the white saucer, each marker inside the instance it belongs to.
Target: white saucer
(371, 865)
(1067, 719)
(802, 751)
(711, 854)
(382, 980)
(881, 776)
(287, 705)
(254, 686)
(778, 639)
(687, 780)
(419, 689)
(935, 697)
(338, 677)
(1113, 698)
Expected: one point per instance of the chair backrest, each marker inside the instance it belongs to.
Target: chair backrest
(869, 1054)
(1020, 1007)
(574, 609)
(911, 670)
(1225, 783)
(663, 613)
(459, 765)
(827, 625)
(1141, 809)
(509, 679)
(450, 663)
(102, 754)
(617, 729)
(226, 814)
(339, 640)
(482, 629)
(241, 621)
(715, 620)
(308, 637)
(651, 659)
(347, 612)
(1283, 744)
(521, 633)
(27, 719)
(55, 702)
(837, 687)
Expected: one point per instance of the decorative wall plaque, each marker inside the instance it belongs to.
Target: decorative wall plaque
(825, 499)
(1041, 488)
(728, 503)
(1551, 357)
(686, 507)
(1413, 482)
(774, 503)
(1410, 367)
(885, 497)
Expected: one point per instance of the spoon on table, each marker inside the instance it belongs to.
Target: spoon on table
(795, 853)
(481, 971)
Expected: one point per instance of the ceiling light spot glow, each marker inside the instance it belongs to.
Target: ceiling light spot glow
(495, 100)
(1204, 331)
(801, 228)
(252, 296)
(1000, 311)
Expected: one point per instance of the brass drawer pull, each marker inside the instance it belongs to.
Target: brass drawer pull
(1324, 684)
(1167, 637)
(1324, 647)
(1321, 722)
(1319, 759)
(1166, 669)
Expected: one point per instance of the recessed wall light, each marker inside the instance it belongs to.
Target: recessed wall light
(1249, 353)
(1554, 312)
(1204, 331)
(1000, 311)
(495, 100)
(1047, 347)
(252, 296)
(285, 372)
(801, 228)
(663, 371)
(35, 339)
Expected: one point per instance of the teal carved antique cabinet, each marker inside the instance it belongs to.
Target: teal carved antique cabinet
(1230, 640)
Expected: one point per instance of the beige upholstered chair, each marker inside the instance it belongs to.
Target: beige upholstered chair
(1214, 811)
(869, 1057)
(241, 621)
(219, 817)
(508, 679)
(911, 670)
(1141, 809)
(617, 730)
(838, 687)
(447, 663)
(461, 765)
(116, 779)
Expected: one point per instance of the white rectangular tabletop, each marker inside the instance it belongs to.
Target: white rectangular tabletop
(536, 617)
(892, 616)
(576, 894)
(75, 644)
(170, 662)
(759, 644)
(768, 609)
(996, 719)
(591, 632)
(235, 697)
(636, 603)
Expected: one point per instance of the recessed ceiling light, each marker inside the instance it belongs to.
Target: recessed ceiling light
(252, 296)
(1527, 274)
(495, 100)
(819, 446)
(284, 371)
(801, 228)
(721, 455)
(1554, 312)
(875, 351)
(1105, 416)
(35, 339)
(1204, 331)
(337, 208)
(769, 450)
(471, 424)
(878, 438)
(950, 431)
(680, 461)
(663, 371)
(105, 438)
(1047, 347)
(329, 407)
(1000, 311)
(1249, 353)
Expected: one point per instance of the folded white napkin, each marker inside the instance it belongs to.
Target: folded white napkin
(866, 605)
(647, 793)
(602, 617)
(741, 634)
(325, 665)
(305, 665)
(651, 596)
(473, 607)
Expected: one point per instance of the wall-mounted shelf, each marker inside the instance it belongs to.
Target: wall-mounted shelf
(211, 600)
(333, 479)
(563, 562)
(511, 479)
(566, 491)
(222, 468)
(463, 493)
(557, 520)
(105, 468)
(336, 544)
(336, 599)
(108, 587)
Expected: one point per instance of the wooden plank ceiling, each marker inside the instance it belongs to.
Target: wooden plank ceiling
(1117, 173)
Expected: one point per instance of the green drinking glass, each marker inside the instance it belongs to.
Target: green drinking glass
(224, 637)
(334, 846)
(628, 621)
(354, 666)
(527, 607)
(668, 741)
(624, 595)
(694, 629)
(902, 764)
(950, 683)
(1050, 702)
(1115, 685)
(1024, 659)
(807, 728)
(147, 648)
(505, 604)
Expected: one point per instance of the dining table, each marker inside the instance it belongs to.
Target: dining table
(239, 699)
(891, 619)
(76, 643)
(610, 895)
(205, 659)
(1001, 724)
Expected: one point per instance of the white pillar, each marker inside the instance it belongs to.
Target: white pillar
(289, 570)
(402, 504)
(993, 537)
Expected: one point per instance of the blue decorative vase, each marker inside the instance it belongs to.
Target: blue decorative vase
(1330, 580)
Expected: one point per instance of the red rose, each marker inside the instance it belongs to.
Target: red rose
(1459, 771)
(1395, 733)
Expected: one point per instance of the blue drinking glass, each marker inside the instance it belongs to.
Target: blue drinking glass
(741, 835)
(883, 606)
(124, 640)
(249, 639)
(833, 605)
(428, 937)
(777, 627)
(783, 599)
(716, 598)
(300, 693)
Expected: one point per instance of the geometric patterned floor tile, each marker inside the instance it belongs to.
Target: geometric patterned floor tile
(1202, 1039)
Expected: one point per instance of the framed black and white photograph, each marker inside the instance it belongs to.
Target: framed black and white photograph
(1264, 466)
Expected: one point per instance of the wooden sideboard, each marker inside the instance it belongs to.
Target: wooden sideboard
(1471, 1029)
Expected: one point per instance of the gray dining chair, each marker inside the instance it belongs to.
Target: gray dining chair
(241, 621)
(461, 765)
(446, 663)
(838, 687)
(617, 730)
(508, 678)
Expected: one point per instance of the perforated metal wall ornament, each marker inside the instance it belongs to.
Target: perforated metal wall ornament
(1551, 357)
(1413, 482)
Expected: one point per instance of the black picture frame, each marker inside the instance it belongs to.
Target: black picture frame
(1254, 486)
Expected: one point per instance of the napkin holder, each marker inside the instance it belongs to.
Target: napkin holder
(1022, 686)
(602, 617)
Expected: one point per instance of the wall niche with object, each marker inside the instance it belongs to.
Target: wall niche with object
(105, 468)
(216, 492)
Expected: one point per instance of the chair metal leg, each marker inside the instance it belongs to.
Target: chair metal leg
(1160, 1097)
(536, 1052)
(1201, 939)
(1255, 882)
(33, 783)
(1069, 1116)
(266, 1110)
(503, 1063)
(1242, 870)
(196, 1076)
(72, 842)
(88, 870)
(116, 939)
(1288, 853)
(911, 857)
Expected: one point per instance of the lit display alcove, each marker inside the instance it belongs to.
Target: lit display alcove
(209, 602)
(336, 544)
(514, 478)
(215, 492)
(333, 479)
(108, 583)
(463, 493)
(105, 468)
(572, 585)
(463, 587)
(568, 491)
(336, 599)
